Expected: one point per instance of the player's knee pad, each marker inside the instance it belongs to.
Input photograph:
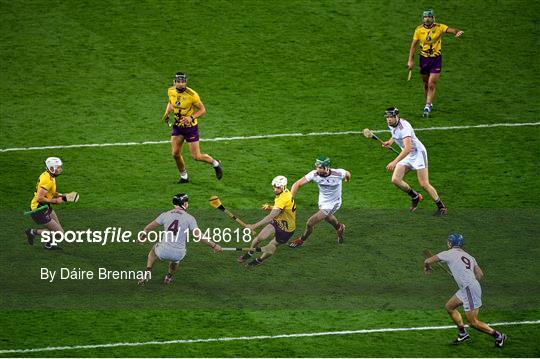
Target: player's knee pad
(269, 248)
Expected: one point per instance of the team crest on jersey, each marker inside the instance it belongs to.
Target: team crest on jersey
(177, 103)
(428, 38)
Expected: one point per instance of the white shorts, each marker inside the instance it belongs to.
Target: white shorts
(166, 252)
(416, 161)
(470, 296)
(329, 208)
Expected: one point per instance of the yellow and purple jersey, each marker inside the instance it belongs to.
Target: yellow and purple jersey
(183, 104)
(47, 182)
(286, 220)
(430, 39)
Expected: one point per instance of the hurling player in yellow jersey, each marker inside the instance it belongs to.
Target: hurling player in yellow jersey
(187, 107)
(429, 35)
(280, 223)
(46, 194)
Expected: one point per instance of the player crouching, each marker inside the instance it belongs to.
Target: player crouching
(466, 273)
(44, 197)
(280, 224)
(178, 225)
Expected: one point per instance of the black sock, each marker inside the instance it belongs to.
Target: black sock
(412, 193)
(496, 334)
(303, 238)
(249, 253)
(462, 330)
(148, 269)
(33, 232)
(258, 260)
(439, 203)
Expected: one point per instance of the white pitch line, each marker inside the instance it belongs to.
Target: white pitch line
(258, 337)
(256, 137)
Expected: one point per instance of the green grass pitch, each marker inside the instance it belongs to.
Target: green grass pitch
(97, 72)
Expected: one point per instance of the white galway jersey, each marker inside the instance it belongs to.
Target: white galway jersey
(178, 224)
(402, 130)
(461, 265)
(329, 186)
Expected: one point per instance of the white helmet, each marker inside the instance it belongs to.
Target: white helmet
(54, 165)
(280, 181)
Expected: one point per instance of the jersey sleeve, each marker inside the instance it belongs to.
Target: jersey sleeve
(443, 28)
(45, 182)
(195, 97)
(406, 131)
(309, 177)
(160, 219)
(280, 202)
(342, 173)
(443, 256)
(416, 35)
(192, 223)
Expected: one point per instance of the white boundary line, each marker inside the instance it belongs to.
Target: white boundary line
(258, 337)
(256, 137)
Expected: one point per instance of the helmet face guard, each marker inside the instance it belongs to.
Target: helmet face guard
(456, 240)
(180, 77)
(323, 162)
(180, 199)
(54, 166)
(279, 182)
(428, 17)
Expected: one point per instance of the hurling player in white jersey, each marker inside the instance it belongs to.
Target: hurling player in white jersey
(413, 156)
(178, 225)
(329, 182)
(466, 273)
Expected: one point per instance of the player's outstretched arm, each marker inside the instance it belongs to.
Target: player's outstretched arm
(302, 181)
(216, 247)
(273, 214)
(429, 262)
(456, 32)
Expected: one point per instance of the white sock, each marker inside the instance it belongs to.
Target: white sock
(215, 163)
(183, 175)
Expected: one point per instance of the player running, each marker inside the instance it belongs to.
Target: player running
(466, 273)
(413, 156)
(329, 181)
(178, 225)
(46, 194)
(429, 35)
(280, 224)
(187, 107)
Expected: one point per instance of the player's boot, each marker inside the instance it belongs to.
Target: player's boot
(427, 111)
(168, 278)
(441, 212)
(183, 180)
(499, 342)
(30, 237)
(339, 233)
(254, 263)
(461, 338)
(52, 247)
(297, 243)
(415, 201)
(243, 258)
(219, 171)
(142, 281)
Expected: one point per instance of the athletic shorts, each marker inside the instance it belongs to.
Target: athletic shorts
(281, 236)
(329, 209)
(191, 134)
(166, 252)
(430, 65)
(415, 160)
(42, 217)
(470, 296)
